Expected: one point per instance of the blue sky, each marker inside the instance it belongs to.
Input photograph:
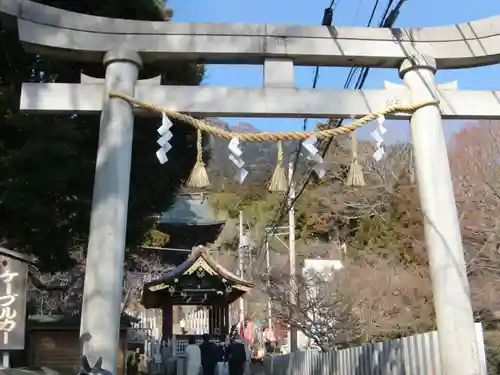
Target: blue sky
(415, 13)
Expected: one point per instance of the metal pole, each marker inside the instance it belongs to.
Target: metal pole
(240, 260)
(269, 304)
(456, 332)
(291, 252)
(102, 294)
(5, 360)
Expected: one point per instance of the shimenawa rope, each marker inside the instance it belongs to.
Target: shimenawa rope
(265, 136)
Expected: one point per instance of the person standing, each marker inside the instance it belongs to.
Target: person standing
(193, 357)
(209, 356)
(133, 362)
(239, 356)
(143, 366)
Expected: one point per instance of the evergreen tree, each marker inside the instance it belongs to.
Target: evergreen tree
(397, 230)
(47, 162)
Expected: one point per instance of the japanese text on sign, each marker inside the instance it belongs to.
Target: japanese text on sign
(8, 312)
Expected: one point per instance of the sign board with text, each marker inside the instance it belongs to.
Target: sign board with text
(13, 285)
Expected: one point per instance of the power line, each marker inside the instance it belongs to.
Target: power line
(285, 207)
(388, 19)
(326, 21)
(280, 213)
(360, 4)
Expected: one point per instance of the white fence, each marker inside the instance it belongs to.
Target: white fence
(149, 326)
(196, 321)
(413, 355)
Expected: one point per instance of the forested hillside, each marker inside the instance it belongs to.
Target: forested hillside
(386, 283)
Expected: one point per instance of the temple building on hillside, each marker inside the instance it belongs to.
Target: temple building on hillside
(190, 222)
(198, 281)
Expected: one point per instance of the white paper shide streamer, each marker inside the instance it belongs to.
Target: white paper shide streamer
(235, 155)
(378, 136)
(164, 140)
(318, 164)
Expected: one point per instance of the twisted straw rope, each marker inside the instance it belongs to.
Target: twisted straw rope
(199, 146)
(265, 136)
(280, 156)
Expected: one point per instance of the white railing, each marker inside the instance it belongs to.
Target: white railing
(149, 326)
(413, 355)
(197, 321)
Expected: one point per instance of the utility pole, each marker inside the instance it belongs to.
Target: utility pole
(291, 252)
(241, 251)
(411, 167)
(269, 303)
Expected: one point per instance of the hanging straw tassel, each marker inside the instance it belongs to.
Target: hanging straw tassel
(278, 181)
(355, 176)
(199, 175)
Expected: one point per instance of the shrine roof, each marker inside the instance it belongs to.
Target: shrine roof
(199, 280)
(200, 258)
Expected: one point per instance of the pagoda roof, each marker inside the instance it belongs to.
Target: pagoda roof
(169, 255)
(190, 209)
(170, 287)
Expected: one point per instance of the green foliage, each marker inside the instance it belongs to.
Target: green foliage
(374, 232)
(155, 238)
(257, 207)
(226, 204)
(47, 162)
(379, 220)
(396, 231)
(146, 10)
(259, 210)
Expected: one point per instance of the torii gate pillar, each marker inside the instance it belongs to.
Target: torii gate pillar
(102, 294)
(455, 323)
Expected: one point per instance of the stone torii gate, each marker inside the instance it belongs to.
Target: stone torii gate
(123, 46)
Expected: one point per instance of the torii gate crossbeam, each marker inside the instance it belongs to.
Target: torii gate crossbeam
(49, 30)
(210, 101)
(126, 45)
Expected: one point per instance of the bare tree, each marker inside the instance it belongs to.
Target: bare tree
(475, 161)
(386, 172)
(365, 301)
(322, 313)
(62, 292)
(374, 296)
(475, 158)
(331, 205)
(140, 267)
(57, 292)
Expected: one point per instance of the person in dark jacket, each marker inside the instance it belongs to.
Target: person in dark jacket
(238, 356)
(209, 356)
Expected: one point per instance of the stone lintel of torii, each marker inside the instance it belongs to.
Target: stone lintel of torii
(123, 46)
(49, 30)
(216, 101)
